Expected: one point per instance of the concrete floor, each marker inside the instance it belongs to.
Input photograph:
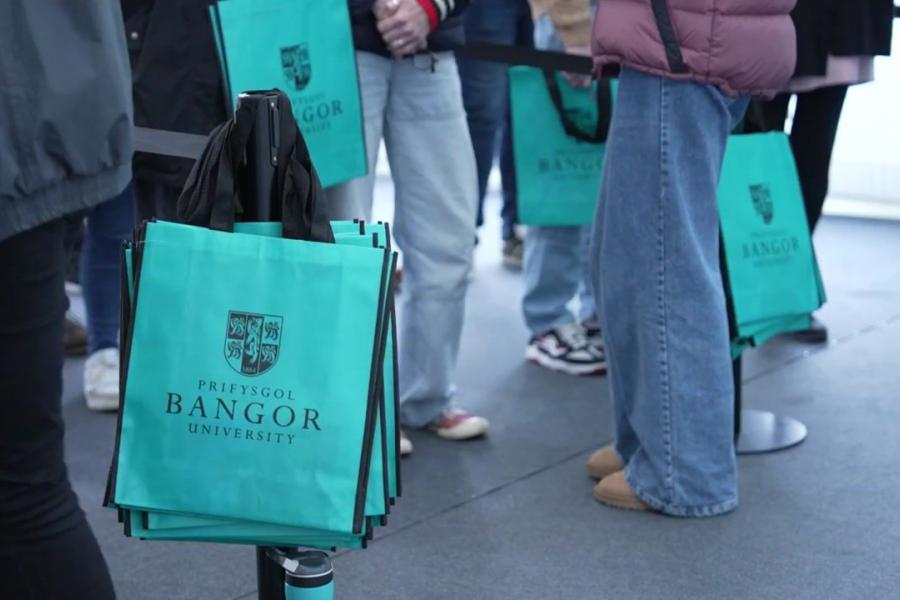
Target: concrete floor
(512, 516)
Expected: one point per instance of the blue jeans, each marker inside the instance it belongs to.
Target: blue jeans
(108, 225)
(486, 97)
(555, 268)
(655, 263)
(420, 116)
(555, 271)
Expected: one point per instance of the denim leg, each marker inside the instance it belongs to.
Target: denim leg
(484, 84)
(587, 310)
(433, 166)
(510, 211)
(661, 296)
(108, 225)
(554, 264)
(353, 199)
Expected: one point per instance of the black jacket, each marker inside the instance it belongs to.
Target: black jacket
(840, 28)
(448, 36)
(176, 78)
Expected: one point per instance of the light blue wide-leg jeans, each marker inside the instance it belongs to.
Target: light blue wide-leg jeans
(655, 265)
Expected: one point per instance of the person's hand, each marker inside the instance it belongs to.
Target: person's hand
(403, 25)
(385, 8)
(578, 80)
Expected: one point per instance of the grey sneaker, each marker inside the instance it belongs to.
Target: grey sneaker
(513, 253)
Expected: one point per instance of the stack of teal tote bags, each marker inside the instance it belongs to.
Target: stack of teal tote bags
(258, 377)
(305, 48)
(772, 273)
(258, 386)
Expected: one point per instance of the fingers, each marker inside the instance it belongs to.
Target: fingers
(399, 35)
(394, 25)
(385, 8)
(578, 80)
(407, 49)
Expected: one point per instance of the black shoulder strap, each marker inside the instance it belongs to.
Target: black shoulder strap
(604, 110)
(668, 36)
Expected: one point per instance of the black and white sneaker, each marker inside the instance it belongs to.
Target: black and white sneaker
(566, 349)
(594, 336)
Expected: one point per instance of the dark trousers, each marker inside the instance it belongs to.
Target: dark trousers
(812, 138)
(47, 549)
(486, 98)
(108, 225)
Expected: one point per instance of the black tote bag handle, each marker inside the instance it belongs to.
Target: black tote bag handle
(604, 110)
(211, 196)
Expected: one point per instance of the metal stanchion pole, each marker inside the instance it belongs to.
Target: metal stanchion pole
(755, 431)
(255, 185)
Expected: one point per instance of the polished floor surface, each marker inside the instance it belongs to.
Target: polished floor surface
(512, 516)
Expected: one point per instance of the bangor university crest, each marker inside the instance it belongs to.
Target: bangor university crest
(296, 66)
(762, 202)
(252, 342)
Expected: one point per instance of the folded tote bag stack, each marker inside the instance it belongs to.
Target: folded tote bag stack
(771, 269)
(258, 380)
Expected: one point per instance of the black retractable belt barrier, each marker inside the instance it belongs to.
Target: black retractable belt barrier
(520, 55)
(169, 143)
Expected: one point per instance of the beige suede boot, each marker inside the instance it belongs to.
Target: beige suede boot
(613, 490)
(604, 462)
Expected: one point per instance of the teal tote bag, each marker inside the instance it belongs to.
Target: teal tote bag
(255, 383)
(304, 48)
(170, 526)
(559, 134)
(771, 267)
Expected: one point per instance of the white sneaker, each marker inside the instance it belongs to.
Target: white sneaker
(406, 447)
(567, 349)
(101, 380)
(458, 425)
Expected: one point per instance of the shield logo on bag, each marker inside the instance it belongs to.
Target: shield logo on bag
(252, 342)
(296, 66)
(762, 202)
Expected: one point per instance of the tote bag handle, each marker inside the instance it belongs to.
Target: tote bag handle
(211, 199)
(604, 110)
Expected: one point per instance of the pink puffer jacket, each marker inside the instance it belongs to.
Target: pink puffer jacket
(744, 47)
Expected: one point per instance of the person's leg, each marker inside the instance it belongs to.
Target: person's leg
(484, 83)
(661, 295)
(40, 521)
(434, 171)
(510, 212)
(553, 268)
(353, 199)
(108, 225)
(587, 309)
(812, 139)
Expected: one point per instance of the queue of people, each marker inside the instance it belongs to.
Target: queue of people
(647, 276)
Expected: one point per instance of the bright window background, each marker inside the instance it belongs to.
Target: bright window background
(865, 174)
